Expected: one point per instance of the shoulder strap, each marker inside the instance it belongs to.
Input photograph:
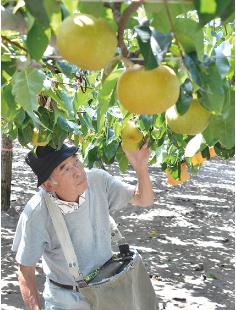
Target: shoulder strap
(64, 237)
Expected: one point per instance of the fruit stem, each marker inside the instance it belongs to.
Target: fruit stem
(139, 61)
(127, 62)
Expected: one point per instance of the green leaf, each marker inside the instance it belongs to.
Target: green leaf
(206, 153)
(185, 97)
(144, 35)
(66, 103)
(113, 98)
(209, 134)
(208, 6)
(109, 151)
(74, 128)
(153, 45)
(156, 133)
(59, 107)
(53, 10)
(153, 7)
(81, 99)
(27, 121)
(190, 36)
(37, 40)
(93, 8)
(71, 6)
(211, 93)
(25, 134)
(37, 9)
(147, 121)
(160, 16)
(221, 58)
(85, 122)
(110, 136)
(227, 135)
(191, 63)
(229, 99)
(26, 85)
(8, 68)
(64, 12)
(109, 83)
(69, 126)
(46, 117)
(58, 137)
(9, 129)
(109, 68)
(8, 104)
(19, 118)
(101, 111)
(122, 160)
(207, 11)
(225, 9)
(35, 119)
(5, 57)
(222, 129)
(68, 69)
(175, 170)
(105, 96)
(91, 155)
(211, 86)
(224, 153)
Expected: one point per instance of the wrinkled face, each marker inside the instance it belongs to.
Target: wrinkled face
(69, 179)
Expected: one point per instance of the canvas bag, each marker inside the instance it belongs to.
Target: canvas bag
(131, 289)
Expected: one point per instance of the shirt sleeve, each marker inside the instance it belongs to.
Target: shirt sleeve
(119, 193)
(30, 239)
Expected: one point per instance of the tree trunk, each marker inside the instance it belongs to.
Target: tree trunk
(6, 173)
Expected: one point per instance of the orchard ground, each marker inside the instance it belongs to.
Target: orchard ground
(186, 239)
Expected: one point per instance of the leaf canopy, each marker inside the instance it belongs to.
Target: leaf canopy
(42, 90)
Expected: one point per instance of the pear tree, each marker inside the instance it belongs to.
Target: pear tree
(81, 70)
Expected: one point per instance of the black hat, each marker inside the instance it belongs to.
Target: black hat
(47, 159)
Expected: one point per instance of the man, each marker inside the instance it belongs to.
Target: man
(85, 199)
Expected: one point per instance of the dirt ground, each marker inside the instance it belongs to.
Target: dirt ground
(186, 239)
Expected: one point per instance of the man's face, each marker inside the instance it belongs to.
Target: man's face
(69, 179)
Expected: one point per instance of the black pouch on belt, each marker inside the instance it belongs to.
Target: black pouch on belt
(114, 265)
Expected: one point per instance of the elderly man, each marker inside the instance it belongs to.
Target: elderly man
(85, 200)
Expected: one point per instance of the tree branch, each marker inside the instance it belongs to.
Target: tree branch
(123, 20)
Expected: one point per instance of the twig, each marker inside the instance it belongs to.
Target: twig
(173, 28)
(225, 28)
(70, 84)
(53, 57)
(122, 24)
(13, 43)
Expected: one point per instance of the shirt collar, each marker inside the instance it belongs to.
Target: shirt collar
(67, 206)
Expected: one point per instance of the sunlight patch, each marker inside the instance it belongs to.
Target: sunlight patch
(170, 292)
(207, 244)
(143, 249)
(177, 241)
(149, 216)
